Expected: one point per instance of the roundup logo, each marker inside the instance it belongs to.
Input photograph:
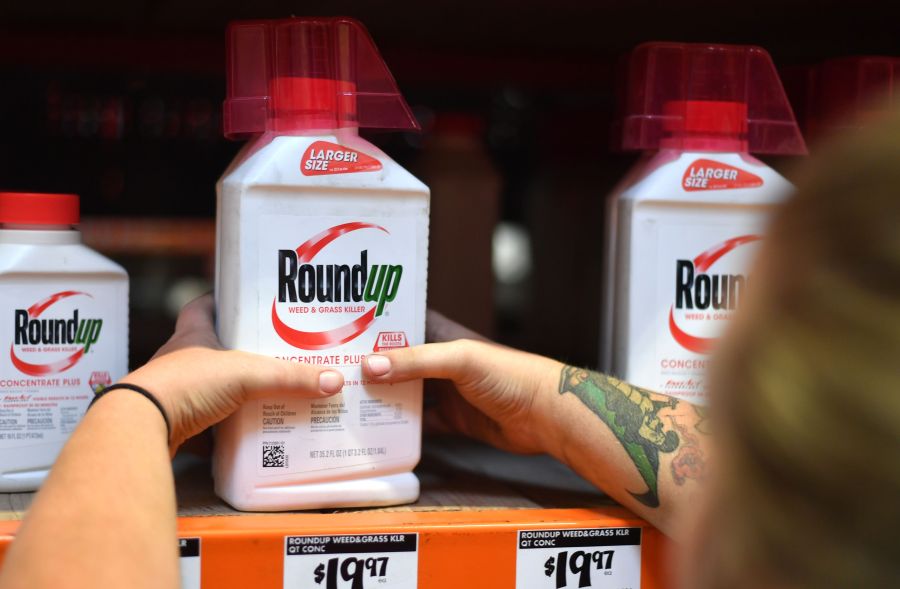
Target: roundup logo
(698, 290)
(31, 329)
(299, 280)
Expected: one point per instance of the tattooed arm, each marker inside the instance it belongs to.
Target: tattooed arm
(653, 430)
(644, 449)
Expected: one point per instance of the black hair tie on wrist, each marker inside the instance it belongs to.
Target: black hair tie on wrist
(141, 391)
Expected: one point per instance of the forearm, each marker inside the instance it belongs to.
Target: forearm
(644, 449)
(106, 514)
(105, 517)
(641, 448)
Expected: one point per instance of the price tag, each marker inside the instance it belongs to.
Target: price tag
(602, 558)
(363, 561)
(189, 563)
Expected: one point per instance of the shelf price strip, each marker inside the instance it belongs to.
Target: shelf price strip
(358, 561)
(189, 562)
(599, 558)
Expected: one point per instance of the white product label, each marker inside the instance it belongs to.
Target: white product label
(332, 290)
(603, 558)
(702, 279)
(352, 561)
(61, 346)
(189, 563)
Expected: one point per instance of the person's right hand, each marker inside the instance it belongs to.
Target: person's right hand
(201, 383)
(488, 392)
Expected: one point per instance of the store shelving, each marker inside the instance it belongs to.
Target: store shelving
(466, 525)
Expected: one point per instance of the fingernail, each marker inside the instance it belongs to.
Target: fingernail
(378, 365)
(330, 382)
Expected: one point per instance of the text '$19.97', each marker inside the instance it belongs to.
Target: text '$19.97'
(580, 565)
(351, 570)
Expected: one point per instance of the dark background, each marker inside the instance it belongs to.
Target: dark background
(120, 102)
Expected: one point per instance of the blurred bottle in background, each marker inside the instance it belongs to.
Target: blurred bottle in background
(850, 93)
(684, 227)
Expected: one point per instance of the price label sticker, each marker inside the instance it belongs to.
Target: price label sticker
(189, 563)
(363, 561)
(601, 558)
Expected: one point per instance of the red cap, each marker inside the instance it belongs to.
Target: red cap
(852, 91)
(705, 97)
(298, 74)
(29, 208)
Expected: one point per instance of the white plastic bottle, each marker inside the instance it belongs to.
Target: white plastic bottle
(321, 258)
(65, 310)
(685, 224)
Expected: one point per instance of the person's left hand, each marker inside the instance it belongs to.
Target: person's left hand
(200, 383)
(486, 391)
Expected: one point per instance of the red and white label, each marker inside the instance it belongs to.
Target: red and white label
(63, 341)
(721, 292)
(346, 286)
(701, 280)
(323, 158)
(388, 340)
(332, 289)
(706, 174)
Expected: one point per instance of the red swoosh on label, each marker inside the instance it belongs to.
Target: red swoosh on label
(40, 306)
(318, 340)
(710, 256)
(699, 345)
(307, 251)
(45, 369)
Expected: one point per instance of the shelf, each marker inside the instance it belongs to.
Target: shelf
(150, 236)
(475, 501)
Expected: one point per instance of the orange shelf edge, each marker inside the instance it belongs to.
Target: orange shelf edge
(466, 548)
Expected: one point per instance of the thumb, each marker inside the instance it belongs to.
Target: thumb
(439, 360)
(261, 375)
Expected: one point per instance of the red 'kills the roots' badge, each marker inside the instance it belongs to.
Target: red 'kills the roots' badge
(387, 340)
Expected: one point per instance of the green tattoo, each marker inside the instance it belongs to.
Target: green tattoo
(632, 415)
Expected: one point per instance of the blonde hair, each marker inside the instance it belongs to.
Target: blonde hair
(807, 387)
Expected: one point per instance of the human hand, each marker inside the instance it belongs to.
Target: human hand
(487, 391)
(201, 383)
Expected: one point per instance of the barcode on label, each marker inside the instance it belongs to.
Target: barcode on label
(273, 456)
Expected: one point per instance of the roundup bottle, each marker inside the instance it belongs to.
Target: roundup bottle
(684, 225)
(65, 326)
(322, 246)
